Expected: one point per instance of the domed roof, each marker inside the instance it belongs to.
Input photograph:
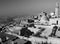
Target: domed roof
(52, 14)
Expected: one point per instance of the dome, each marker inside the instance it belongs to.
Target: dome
(52, 14)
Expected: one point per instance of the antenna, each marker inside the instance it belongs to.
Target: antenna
(57, 4)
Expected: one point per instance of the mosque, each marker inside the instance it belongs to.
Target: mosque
(54, 17)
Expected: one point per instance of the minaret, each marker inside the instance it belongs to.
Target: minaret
(57, 9)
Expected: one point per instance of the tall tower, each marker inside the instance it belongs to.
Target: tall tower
(57, 9)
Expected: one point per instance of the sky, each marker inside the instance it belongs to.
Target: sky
(26, 7)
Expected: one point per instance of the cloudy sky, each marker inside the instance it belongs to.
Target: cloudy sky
(26, 7)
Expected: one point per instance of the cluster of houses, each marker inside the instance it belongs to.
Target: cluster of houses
(41, 29)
